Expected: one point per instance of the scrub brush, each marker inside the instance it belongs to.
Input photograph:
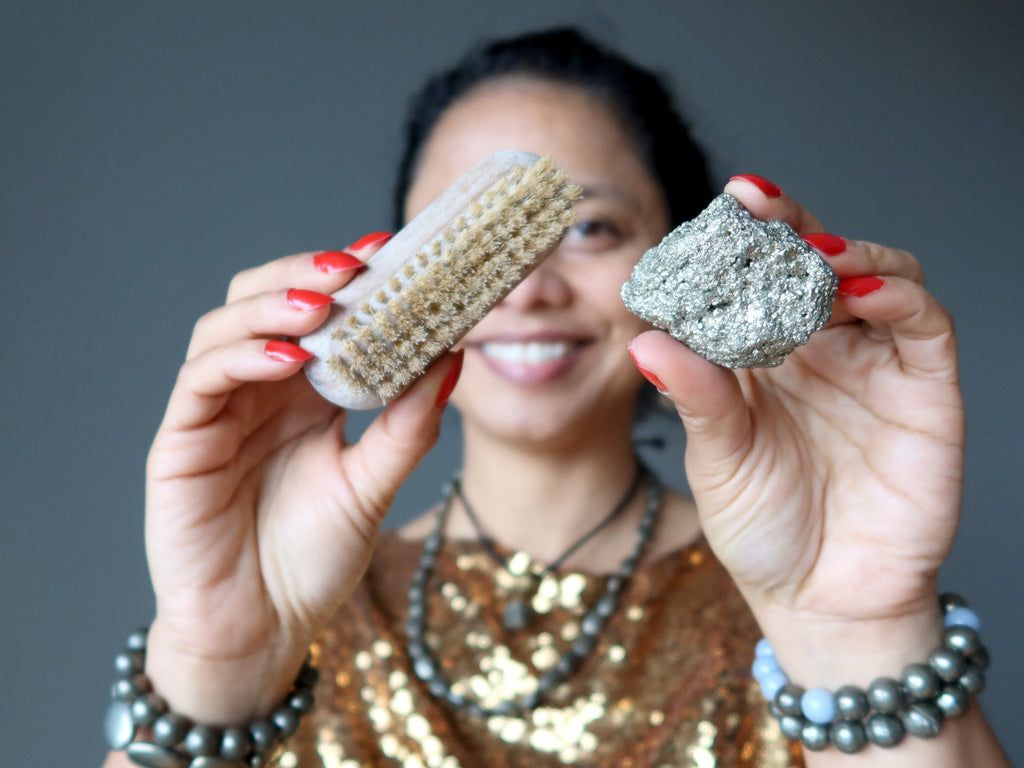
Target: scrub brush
(435, 279)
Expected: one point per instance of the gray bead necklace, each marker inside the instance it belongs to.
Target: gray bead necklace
(424, 661)
(517, 612)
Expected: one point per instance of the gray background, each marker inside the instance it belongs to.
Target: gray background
(149, 151)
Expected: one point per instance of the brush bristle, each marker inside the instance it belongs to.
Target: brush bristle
(452, 282)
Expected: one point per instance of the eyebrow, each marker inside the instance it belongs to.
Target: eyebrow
(606, 190)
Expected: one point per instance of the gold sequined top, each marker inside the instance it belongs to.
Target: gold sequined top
(668, 683)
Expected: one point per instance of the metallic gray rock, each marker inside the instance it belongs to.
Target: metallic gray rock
(740, 292)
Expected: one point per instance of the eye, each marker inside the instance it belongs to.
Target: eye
(593, 234)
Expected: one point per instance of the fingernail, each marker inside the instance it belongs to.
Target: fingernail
(658, 383)
(448, 385)
(374, 238)
(859, 286)
(307, 300)
(336, 261)
(771, 190)
(286, 352)
(830, 245)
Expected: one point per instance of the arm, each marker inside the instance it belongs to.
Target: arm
(830, 486)
(260, 516)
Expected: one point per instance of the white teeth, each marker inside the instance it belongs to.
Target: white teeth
(531, 353)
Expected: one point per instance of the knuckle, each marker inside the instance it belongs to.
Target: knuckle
(239, 284)
(912, 266)
(204, 324)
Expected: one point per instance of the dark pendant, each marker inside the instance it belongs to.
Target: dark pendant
(516, 616)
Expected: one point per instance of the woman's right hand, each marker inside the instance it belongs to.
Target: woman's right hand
(260, 517)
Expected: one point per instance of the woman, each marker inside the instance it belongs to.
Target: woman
(828, 488)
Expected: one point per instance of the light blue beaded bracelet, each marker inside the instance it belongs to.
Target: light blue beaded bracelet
(917, 704)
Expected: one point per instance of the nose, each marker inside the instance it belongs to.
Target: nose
(546, 286)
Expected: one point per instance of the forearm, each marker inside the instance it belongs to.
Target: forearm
(118, 760)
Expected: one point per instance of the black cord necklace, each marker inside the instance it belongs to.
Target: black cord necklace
(424, 661)
(517, 612)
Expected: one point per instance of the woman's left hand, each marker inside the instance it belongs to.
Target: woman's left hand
(830, 486)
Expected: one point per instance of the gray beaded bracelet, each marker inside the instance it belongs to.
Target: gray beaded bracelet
(173, 741)
(883, 714)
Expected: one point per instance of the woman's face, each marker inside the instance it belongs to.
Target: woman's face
(550, 360)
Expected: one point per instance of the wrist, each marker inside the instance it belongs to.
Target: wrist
(925, 694)
(220, 690)
(821, 652)
(140, 721)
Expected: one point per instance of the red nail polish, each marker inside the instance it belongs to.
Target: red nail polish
(771, 190)
(859, 286)
(374, 238)
(307, 300)
(830, 245)
(336, 261)
(658, 383)
(286, 352)
(448, 385)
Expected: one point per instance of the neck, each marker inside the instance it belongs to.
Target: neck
(541, 501)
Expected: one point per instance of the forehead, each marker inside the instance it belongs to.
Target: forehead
(579, 130)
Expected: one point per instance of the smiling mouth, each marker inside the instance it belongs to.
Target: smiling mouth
(529, 352)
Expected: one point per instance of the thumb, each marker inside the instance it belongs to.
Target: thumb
(708, 399)
(401, 435)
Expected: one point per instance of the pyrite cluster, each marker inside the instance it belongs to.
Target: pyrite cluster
(740, 292)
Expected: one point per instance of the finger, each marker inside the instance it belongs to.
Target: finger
(205, 382)
(708, 399)
(398, 438)
(291, 312)
(920, 327)
(767, 202)
(853, 258)
(849, 258)
(324, 271)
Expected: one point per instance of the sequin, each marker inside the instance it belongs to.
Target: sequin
(331, 753)
(570, 590)
(397, 679)
(417, 727)
(519, 564)
(381, 719)
(512, 729)
(666, 684)
(544, 658)
(389, 744)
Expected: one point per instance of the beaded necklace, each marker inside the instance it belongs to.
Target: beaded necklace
(517, 613)
(424, 660)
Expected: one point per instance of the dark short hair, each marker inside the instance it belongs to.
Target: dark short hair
(635, 95)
